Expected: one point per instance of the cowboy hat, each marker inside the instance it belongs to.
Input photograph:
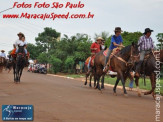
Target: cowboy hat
(118, 29)
(2, 51)
(99, 38)
(20, 33)
(147, 30)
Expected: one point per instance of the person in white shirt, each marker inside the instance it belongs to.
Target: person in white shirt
(2, 54)
(20, 42)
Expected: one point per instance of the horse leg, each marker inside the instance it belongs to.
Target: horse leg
(86, 76)
(115, 86)
(20, 74)
(102, 82)
(137, 86)
(98, 84)
(14, 72)
(123, 83)
(94, 81)
(90, 85)
(17, 73)
(153, 84)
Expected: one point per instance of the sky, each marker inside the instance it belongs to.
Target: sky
(130, 15)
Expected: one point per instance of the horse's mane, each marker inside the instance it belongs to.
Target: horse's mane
(125, 50)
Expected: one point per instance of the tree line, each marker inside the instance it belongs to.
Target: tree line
(64, 53)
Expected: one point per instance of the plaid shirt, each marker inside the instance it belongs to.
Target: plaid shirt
(145, 43)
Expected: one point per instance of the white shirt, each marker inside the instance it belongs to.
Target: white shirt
(3, 55)
(20, 43)
(103, 47)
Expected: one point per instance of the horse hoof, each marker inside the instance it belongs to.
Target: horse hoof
(125, 95)
(115, 94)
(85, 83)
(90, 86)
(102, 87)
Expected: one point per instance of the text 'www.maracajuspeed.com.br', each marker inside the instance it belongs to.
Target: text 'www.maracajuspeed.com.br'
(52, 16)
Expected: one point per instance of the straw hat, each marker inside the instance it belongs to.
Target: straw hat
(99, 38)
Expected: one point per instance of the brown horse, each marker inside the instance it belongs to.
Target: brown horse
(119, 63)
(2, 63)
(148, 68)
(91, 74)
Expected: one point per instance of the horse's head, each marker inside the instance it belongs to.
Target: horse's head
(134, 49)
(134, 52)
(21, 52)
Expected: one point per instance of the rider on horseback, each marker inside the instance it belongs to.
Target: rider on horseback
(146, 45)
(20, 42)
(95, 48)
(116, 41)
(2, 54)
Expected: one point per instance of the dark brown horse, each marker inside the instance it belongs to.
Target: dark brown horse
(19, 64)
(119, 63)
(148, 68)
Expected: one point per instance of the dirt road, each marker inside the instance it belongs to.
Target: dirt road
(58, 99)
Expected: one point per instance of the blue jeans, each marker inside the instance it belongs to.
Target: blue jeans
(107, 57)
(89, 63)
(25, 50)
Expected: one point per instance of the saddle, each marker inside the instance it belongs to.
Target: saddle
(92, 61)
(114, 52)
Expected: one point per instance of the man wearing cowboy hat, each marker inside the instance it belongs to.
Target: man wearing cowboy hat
(2, 54)
(116, 41)
(146, 45)
(19, 41)
(95, 48)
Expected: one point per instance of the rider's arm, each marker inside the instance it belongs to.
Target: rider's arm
(118, 45)
(152, 45)
(14, 45)
(92, 47)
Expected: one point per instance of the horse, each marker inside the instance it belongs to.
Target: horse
(148, 68)
(119, 63)
(91, 74)
(9, 65)
(19, 64)
(2, 63)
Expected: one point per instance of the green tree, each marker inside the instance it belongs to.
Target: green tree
(42, 58)
(160, 40)
(56, 64)
(128, 38)
(48, 39)
(69, 64)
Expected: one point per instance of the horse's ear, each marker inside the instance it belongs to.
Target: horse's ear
(133, 44)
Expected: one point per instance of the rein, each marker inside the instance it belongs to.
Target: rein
(121, 59)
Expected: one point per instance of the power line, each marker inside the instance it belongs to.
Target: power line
(5, 10)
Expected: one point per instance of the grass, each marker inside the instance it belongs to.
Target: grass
(110, 80)
(75, 75)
